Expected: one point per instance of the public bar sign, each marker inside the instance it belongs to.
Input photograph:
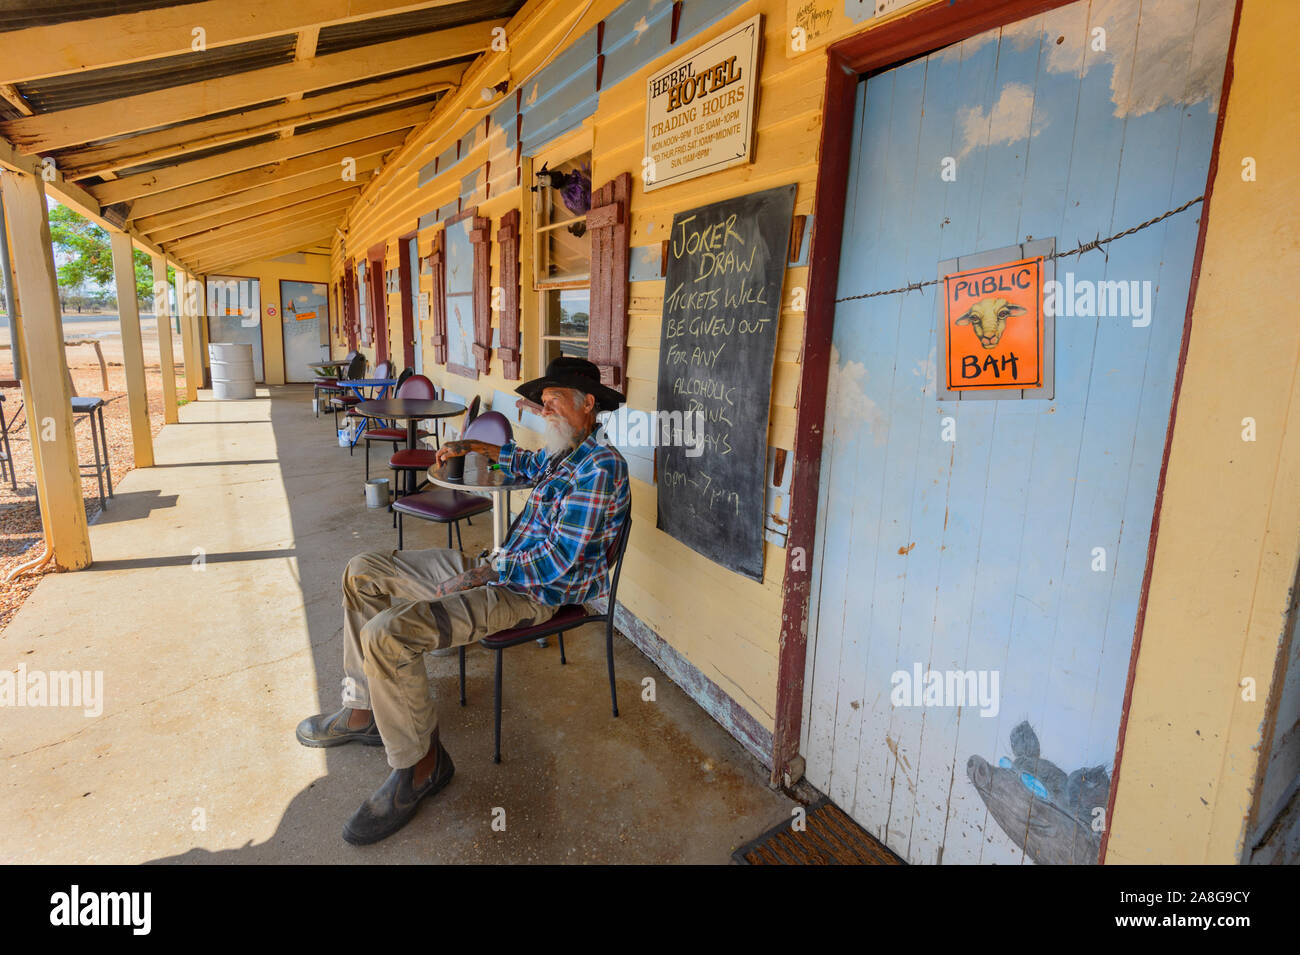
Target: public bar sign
(993, 326)
(699, 114)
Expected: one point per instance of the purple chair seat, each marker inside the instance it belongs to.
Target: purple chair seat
(391, 434)
(442, 504)
(414, 459)
(508, 638)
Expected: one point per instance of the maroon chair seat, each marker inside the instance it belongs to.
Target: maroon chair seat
(566, 618)
(441, 505)
(325, 382)
(391, 434)
(412, 386)
(413, 459)
(508, 638)
(492, 427)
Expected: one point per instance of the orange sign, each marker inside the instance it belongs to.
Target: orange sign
(993, 322)
(305, 316)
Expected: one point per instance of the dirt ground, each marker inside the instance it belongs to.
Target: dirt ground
(20, 522)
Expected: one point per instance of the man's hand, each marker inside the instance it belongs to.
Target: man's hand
(466, 581)
(456, 449)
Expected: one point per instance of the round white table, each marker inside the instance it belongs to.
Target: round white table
(481, 477)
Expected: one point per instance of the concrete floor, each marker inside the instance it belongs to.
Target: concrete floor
(208, 665)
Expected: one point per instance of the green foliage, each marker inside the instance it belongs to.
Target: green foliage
(88, 257)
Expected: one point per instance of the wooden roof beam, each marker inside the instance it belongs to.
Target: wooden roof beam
(205, 134)
(268, 250)
(245, 250)
(70, 194)
(263, 219)
(169, 31)
(186, 173)
(218, 217)
(252, 229)
(237, 204)
(265, 175)
(129, 114)
(304, 49)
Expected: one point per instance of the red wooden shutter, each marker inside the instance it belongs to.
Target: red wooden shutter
(508, 242)
(350, 320)
(481, 236)
(609, 223)
(438, 261)
(378, 301)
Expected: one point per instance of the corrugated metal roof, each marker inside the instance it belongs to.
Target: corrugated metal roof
(114, 82)
(346, 36)
(196, 154)
(21, 14)
(429, 98)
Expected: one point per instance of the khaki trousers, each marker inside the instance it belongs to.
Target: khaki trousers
(390, 618)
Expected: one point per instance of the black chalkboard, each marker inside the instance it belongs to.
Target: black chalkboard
(722, 302)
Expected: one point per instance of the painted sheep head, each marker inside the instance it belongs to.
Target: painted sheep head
(988, 319)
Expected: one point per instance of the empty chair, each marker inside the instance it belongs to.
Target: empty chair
(443, 505)
(348, 400)
(415, 386)
(326, 387)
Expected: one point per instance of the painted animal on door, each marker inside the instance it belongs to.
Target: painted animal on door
(1043, 810)
(987, 318)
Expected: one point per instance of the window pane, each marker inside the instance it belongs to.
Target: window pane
(563, 200)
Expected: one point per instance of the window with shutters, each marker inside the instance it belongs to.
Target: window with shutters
(468, 302)
(363, 305)
(562, 255)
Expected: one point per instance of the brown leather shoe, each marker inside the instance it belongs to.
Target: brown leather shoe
(332, 730)
(395, 802)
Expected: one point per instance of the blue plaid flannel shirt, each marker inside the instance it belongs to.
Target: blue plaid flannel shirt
(558, 553)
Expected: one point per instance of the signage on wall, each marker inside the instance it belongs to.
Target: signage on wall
(815, 23)
(700, 109)
(422, 308)
(272, 311)
(993, 327)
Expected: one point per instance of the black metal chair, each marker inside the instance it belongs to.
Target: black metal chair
(566, 618)
(326, 385)
(443, 505)
(6, 453)
(91, 406)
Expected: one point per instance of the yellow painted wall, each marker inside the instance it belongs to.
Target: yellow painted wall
(727, 625)
(1227, 550)
(269, 272)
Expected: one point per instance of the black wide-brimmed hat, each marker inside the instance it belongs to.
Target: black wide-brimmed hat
(570, 372)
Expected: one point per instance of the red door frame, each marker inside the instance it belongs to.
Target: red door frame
(375, 258)
(404, 243)
(937, 26)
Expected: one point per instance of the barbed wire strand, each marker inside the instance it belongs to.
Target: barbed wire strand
(1094, 246)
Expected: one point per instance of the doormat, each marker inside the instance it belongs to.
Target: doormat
(830, 838)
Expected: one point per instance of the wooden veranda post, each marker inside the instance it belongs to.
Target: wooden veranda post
(163, 315)
(128, 311)
(45, 371)
(185, 313)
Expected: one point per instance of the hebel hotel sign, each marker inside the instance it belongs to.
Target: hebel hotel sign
(699, 114)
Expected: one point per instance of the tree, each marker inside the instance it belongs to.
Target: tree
(88, 256)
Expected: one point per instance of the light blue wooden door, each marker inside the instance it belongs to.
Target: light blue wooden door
(1000, 545)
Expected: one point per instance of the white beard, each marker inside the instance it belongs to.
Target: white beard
(560, 437)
